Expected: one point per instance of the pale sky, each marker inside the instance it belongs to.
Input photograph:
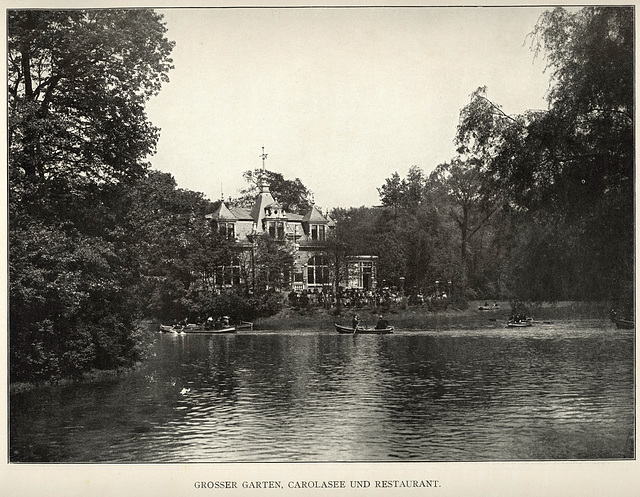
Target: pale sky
(340, 98)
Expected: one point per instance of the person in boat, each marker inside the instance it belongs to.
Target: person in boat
(355, 322)
(520, 318)
(382, 323)
(225, 321)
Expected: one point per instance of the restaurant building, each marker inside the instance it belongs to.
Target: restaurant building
(304, 236)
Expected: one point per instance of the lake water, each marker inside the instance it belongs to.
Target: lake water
(555, 391)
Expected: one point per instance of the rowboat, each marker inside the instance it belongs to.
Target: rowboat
(625, 324)
(194, 328)
(361, 330)
(520, 324)
(170, 329)
(488, 307)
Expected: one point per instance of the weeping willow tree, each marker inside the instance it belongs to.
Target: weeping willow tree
(569, 168)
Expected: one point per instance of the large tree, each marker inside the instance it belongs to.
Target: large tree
(571, 166)
(77, 83)
(459, 188)
(403, 193)
(291, 194)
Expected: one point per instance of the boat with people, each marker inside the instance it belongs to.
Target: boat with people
(362, 330)
(487, 307)
(525, 323)
(221, 325)
(194, 328)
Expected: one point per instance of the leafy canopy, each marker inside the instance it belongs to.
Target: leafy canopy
(77, 83)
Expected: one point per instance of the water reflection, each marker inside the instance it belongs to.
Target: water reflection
(556, 392)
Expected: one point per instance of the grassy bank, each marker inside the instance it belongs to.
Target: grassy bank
(404, 317)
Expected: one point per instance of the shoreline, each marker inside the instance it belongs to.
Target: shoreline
(414, 318)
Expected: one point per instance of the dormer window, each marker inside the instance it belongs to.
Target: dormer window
(227, 230)
(318, 232)
(276, 229)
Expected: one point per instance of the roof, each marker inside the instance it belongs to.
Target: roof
(241, 213)
(314, 216)
(263, 199)
(222, 213)
(231, 213)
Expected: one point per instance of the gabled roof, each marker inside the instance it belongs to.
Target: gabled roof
(229, 213)
(314, 216)
(222, 213)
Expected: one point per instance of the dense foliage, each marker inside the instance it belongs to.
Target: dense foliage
(569, 168)
(541, 204)
(78, 138)
(291, 194)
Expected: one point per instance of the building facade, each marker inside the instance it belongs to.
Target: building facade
(303, 236)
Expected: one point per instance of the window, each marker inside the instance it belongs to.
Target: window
(276, 230)
(318, 232)
(318, 270)
(235, 271)
(229, 275)
(227, 230)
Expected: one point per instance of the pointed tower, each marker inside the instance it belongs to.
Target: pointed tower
(264, 198)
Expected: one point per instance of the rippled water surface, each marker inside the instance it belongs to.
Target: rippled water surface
(558, 391)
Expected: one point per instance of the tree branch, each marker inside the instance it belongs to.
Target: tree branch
(481, 224)
(501, 111)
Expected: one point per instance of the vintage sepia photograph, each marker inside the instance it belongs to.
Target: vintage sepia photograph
(353, 248)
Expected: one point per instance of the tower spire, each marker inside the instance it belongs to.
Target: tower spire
(262, 181)
(264, 157)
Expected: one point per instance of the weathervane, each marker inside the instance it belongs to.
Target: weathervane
(264, 156)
